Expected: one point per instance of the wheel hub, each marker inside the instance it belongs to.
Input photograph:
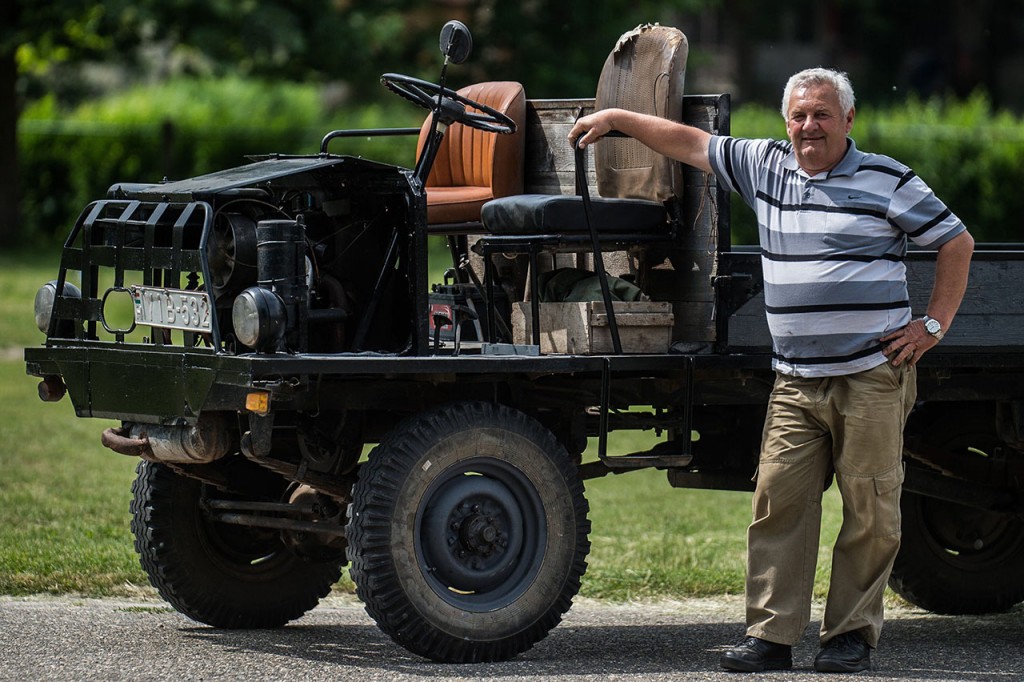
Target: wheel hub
(482, 528)
(480, 534)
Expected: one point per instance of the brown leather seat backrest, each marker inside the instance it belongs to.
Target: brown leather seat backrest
(645, 73)
(476, 159)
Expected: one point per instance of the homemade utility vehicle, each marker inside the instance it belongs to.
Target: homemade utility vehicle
(253, 330)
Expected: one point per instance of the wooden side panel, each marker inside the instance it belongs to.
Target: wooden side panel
(991, 316)
(550, 163)
(992, 313)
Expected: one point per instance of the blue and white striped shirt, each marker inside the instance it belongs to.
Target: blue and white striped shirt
(832, 249)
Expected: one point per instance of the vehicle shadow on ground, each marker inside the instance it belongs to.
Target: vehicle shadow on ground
(915, 647)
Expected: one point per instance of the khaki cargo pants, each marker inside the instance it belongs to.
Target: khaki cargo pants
(853, 425)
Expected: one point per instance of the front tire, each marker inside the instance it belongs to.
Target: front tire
(227, 576)
(468, 533)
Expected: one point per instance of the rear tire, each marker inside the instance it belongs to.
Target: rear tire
(227, 576)
(958, 560)
(955, 559)
(468, 533)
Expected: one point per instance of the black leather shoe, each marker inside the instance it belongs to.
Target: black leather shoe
(753, 655)
(845, 653)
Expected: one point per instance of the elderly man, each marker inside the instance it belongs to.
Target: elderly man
(833, 224)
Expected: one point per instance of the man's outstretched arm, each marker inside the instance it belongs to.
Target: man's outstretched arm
(675, 140)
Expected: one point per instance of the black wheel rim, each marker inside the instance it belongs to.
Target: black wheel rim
(239, 550)
(970, 539)
(480, 534)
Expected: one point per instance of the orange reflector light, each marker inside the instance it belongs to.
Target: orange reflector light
(258, 402)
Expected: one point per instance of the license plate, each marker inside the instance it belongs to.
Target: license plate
(171, 308)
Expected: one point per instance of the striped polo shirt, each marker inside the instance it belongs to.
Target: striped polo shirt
(832, 249)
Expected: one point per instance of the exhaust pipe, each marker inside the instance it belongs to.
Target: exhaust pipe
(204, 442)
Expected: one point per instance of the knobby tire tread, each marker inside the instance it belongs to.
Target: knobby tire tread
(198, 591)
(370, 551)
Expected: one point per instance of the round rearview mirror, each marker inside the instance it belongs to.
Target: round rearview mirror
(456, 41)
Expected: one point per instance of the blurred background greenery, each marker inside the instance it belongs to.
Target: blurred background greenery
(95, 92)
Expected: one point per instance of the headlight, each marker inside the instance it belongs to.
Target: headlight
(43, 305)
(258, 316)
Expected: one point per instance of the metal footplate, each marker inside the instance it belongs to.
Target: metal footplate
(666, 455)
(661, 455)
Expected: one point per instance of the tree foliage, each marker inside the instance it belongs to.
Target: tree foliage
(554, 47)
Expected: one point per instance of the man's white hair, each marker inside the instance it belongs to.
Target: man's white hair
(820, 76)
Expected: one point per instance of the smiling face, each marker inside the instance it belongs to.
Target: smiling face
(817, 127)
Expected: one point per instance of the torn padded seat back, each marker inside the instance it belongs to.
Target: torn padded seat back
(645, 72)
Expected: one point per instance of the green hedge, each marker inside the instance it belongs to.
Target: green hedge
(969, 154)
(177, 130)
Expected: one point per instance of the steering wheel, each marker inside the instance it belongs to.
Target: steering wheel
(453, 105)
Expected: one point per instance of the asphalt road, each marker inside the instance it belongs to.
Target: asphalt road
(75, 639)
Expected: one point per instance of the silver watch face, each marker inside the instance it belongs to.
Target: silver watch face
(932, 326)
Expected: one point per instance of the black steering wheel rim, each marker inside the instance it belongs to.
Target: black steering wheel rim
(424, 94)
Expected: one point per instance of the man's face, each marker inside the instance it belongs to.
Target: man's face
(817, 128)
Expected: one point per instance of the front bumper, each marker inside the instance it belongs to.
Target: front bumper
(151, 384)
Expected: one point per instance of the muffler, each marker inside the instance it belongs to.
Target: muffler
(204, 442)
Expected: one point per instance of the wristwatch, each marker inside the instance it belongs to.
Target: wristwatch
(933, 327)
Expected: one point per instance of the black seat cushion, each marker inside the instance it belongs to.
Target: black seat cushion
(526, 214)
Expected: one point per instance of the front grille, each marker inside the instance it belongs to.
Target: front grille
(119, 243)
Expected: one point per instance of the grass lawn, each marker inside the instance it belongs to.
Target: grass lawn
(63, 498)
(64, 520)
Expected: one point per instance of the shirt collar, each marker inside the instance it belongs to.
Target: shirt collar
(848, 165)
